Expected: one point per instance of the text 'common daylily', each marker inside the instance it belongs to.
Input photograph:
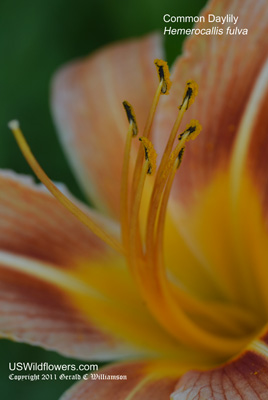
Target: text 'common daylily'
(169, 273)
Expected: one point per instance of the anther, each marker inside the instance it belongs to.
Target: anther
(192, 130)
(131, 117)
(150, 154)
(175, 160)
(180, 155)
(163, 73)
(190, 93)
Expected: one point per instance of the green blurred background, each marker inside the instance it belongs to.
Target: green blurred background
(36, 37)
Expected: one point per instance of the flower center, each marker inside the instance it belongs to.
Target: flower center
(142, 231)
(173, 308)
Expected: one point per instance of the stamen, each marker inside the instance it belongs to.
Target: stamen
(39, 172)
(163, 87)
(160, 298)
(163, 72)
(166, 162)
(146, 133)
(188, 98)
(179, 158)
(135, 242)
(150, 154)
(131, 117)
(190, 94)
(175, 159)
(124, 202)
(192, 129)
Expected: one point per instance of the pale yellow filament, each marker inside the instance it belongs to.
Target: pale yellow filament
(124, 202)
(135, 242)
(146, 133)
(156, 196)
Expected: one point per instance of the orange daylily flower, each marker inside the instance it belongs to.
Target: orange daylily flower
(168, 275)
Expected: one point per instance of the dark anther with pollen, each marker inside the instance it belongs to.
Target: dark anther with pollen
(188, 95)
(163, 73)
(145, 151)
(189, 130)
(181, 152)
(162, 78)
(149, 171)
(131, 117)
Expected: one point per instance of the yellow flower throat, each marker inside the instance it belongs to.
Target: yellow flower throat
(171, 307)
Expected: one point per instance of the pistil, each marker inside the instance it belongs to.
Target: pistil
(67, 203)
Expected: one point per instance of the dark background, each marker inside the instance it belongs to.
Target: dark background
(37, 37)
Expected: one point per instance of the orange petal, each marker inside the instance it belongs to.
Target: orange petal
(36, 312)
(244, 378)
(35, 225)
(43, 244)
(87, 103)
(139, 385)
(36, 230)
(226, 68)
